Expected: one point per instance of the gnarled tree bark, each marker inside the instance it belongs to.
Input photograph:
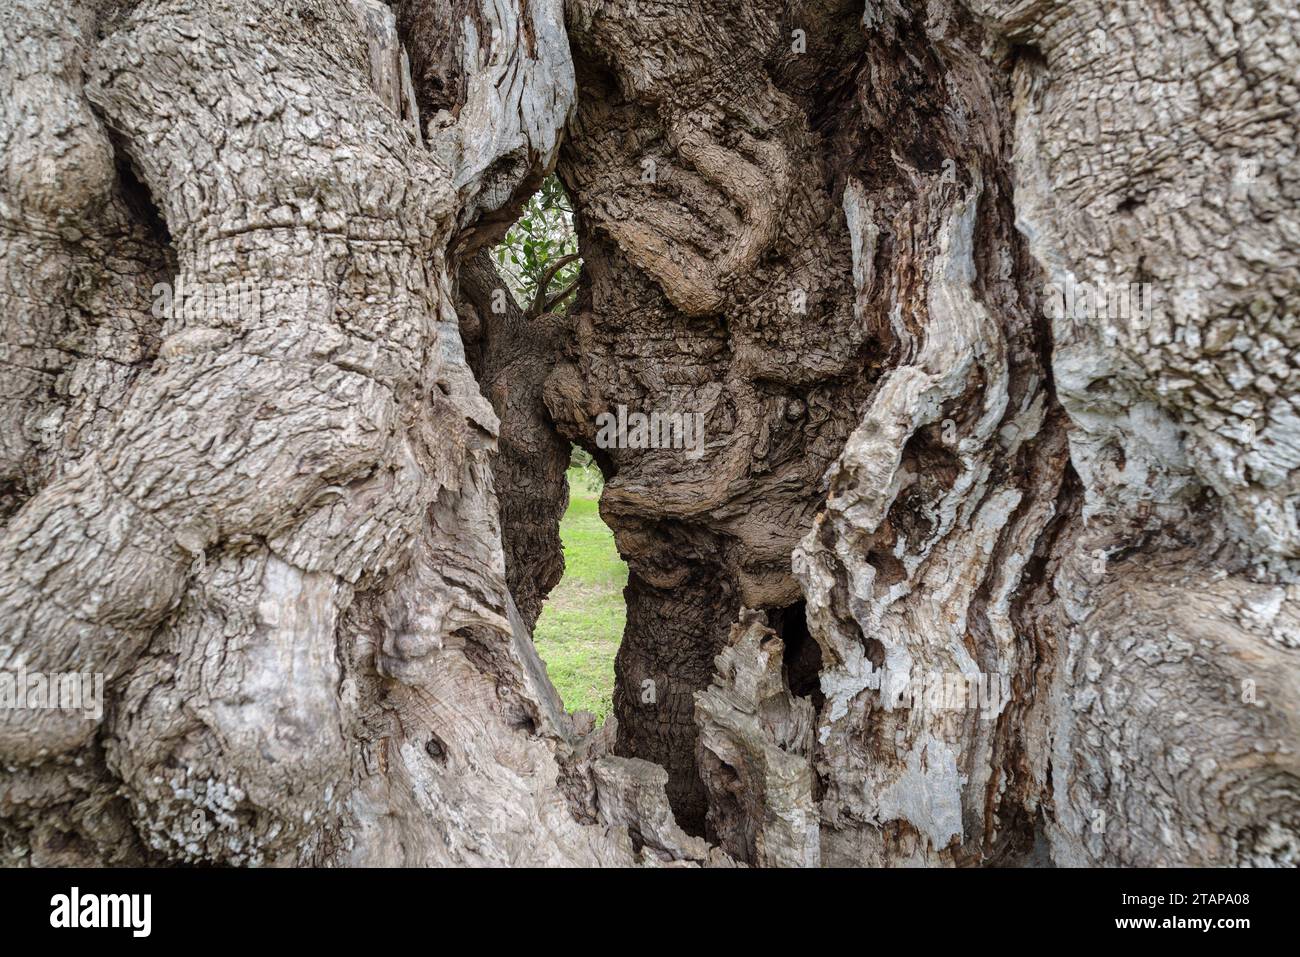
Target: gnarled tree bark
(305, 538)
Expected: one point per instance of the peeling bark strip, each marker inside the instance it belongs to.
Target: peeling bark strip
(756, 743)
(302, 522)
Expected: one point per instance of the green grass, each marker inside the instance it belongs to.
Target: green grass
(581, 623)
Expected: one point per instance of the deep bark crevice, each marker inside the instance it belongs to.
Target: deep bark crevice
(802, 656)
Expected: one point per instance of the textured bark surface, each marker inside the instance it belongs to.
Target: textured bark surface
(278, 539)
(305, 538)
(1182, 432)
(717, 280)
(512, 353)
(755, 753)
(911, 178)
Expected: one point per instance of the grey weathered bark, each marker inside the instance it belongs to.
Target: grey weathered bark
(275, 533)
(285, 534)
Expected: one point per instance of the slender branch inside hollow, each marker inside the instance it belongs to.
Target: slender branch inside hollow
(540, 302)
(562, 295)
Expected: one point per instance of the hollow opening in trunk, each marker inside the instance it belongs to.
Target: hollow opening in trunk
(538, 257)
(802, 655)
(562, 566)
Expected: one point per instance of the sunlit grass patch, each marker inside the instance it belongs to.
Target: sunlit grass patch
(582, 621)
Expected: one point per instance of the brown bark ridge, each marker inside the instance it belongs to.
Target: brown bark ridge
(965, 569)
(717, 282)
(512, 352)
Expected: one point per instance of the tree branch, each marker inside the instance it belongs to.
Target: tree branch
(540, 301)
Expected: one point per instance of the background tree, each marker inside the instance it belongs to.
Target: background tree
(539, 254)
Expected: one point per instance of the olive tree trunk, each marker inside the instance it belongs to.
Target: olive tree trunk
(970, 565)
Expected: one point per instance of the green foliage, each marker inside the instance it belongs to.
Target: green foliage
(584, 471)
(581, 623)
(543, 234)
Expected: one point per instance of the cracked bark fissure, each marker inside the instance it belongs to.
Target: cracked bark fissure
(305, 542)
